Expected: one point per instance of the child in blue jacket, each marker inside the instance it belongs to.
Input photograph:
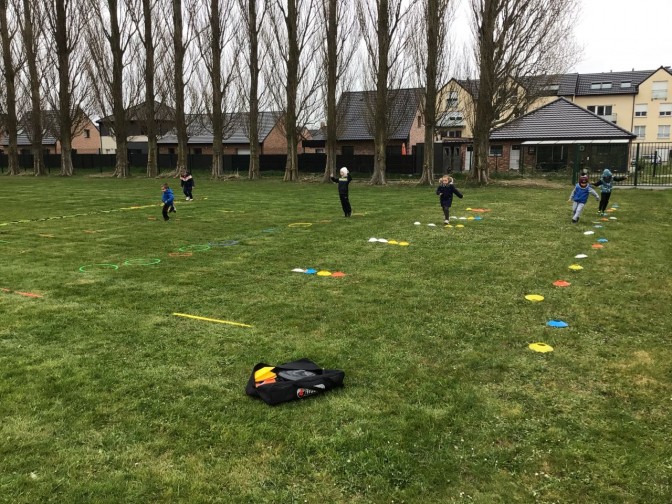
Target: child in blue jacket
(606, 183)
(445, 191)
(168, 200)
(580, 196)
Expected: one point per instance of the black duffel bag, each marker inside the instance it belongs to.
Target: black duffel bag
(290, 381)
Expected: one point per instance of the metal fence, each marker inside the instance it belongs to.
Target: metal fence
(651, 164)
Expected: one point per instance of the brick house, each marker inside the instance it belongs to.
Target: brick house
(355, 133)
(271, 135)
(559, 135)
(85, 141)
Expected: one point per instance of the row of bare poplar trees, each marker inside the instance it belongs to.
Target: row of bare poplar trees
(226, 60)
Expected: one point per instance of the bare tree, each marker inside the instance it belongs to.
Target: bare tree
(431, 57)
(217, 44)
(295, 86)
(385, 37)
(254, 22)
(517, 44)
(110, 69)
(338, 49)
(65, 76)
(11, 60)
(31, 22)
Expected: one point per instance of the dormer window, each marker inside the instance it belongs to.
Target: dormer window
(626, 84)
(600, 85)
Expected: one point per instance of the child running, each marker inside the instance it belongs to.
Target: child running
(580, 196)
(445, 191)
(187, 183)
(606, 184)
(168, 201)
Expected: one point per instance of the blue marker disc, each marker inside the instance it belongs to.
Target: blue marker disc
(602, 240)
(557, 323)
(310, 271)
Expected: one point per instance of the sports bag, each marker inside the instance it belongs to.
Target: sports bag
(290, 381)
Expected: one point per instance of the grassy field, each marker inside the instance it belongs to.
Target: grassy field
(107, 397)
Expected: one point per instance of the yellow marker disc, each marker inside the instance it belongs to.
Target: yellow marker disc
(575, 267)
(404, 244)
(534, 297)
(393, 242)
(448, 225)
(324, 273)
(468, 208)
(471, 217)
(540, 347)
(459, 225)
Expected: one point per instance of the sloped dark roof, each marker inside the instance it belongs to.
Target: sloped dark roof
(162, 112)
(355, 107)
(618, 81)
(24, 140)
(560, 120)
(200, 129)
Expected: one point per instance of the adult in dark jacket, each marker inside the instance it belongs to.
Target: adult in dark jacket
(445, 191)
(343, 182)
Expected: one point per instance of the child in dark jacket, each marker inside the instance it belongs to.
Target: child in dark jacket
(580, 196)
(343, 182)
(168, 201)
(606, 184)
(445, 191)
(187, 183)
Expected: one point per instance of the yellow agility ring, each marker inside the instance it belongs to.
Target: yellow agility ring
(300, 224)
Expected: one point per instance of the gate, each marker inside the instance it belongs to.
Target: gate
(651, 164)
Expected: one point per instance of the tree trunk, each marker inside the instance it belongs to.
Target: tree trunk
(180, 116)
(119, 112)
(332, 81)
(254, 170)
(10, 84)
(432, 21)
(217, 95)
(292, 168)
(150, 108)
(64, 97)
(30, 45)
(381, 120)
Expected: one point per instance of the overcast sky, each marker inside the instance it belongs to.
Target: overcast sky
(624, 34)
(616, 35)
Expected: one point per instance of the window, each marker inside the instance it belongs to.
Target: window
(87, 133)
(640, 110)
(640, 131)
(319, 151)
(626, 84)
(455, 134)
(496, 150)
(600, 110)
(347, 150)
(659, 90)
(664, 131)
(198, 151)
(600, 85)
(665, 110)
(419, 121)
(451, 101)
(552, 87)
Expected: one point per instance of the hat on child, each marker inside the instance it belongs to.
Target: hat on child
(344, 171)
(583, 180)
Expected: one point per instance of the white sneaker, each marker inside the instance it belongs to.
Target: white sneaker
(446, 221)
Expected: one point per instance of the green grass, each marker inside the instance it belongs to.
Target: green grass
(107, 397)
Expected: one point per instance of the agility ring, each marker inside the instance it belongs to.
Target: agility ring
(180, 254)
(300, 225)
(194, 248)
(102, 266)
(141, 262)
(226, 243)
